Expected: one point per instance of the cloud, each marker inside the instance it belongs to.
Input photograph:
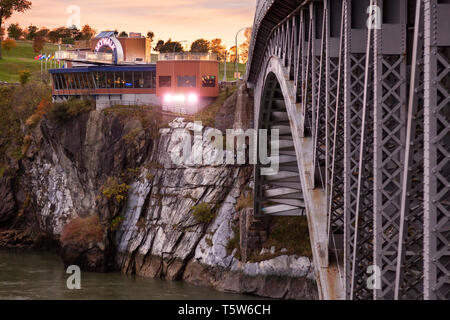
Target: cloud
(177, 19)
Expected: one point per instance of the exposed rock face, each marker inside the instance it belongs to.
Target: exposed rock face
(8, 203)
(91, 257)
(64, 171)
(160, 237)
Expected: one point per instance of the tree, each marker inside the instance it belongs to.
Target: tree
(150, 35)
(38, 44)
(14, 31)
(43, 32)
(67, 35)
(87, 32)
(7, 7)
(169, 46)
(232, 54)
(32, 31)
(74, 33)
(24, 76)
(123, 34)
(216, 47)
(9, 44)
(244, 47)
(2, 32)
(53, 36)
(159, 45)
(200, 45)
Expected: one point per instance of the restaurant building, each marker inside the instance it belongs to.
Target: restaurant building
(120, 71)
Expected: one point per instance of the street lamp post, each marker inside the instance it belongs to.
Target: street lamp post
(225, 67)
(236, 49)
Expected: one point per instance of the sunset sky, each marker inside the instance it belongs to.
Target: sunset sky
(178, 19)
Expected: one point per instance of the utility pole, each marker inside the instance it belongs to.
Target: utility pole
(225, 67)
(237, 55)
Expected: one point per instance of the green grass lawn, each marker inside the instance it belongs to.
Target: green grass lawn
(230, 70)
(21, 58)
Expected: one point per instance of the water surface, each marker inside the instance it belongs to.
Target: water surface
(41, 275)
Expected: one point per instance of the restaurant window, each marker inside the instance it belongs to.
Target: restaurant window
(109, 79)
(86, 80)
(62, 81)
(128, 79)
(138, 80)
(55, 82)
(208, 81)
(150, 79)
(165, 81)
(70, 81)
(119, 82)
(186, 82)
(90, 80)
(101, 80)
(80, 81)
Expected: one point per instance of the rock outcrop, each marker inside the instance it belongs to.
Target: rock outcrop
(63, 176)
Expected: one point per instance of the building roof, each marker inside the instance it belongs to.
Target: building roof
(106, 34)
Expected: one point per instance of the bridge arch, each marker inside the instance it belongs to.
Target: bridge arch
(291, 192)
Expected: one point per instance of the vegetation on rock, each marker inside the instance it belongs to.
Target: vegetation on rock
(83, 230)
(24, 76)
(149, 116)
(244, 201)
(17, 104)
(66, 110)
(290, 233)
(115, 223)
(234, 242)
(115, 190)
(203, 213)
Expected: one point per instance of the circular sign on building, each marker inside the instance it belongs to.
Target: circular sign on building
(110, 45)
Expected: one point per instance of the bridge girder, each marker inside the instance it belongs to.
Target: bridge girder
(369, 108)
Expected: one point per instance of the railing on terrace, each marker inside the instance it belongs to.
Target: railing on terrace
(100, 57)
(187, 56)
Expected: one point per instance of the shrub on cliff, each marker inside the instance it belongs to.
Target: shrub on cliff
(149, 116)
(244, 201)
(289, 233)
(66, 110)
(44, 106)
(24, 76)
(234, 242)
(82, 230)
(115, 190)
(115, 223)
(17, 104)
(203, 213)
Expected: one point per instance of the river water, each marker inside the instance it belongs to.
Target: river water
(41, 275)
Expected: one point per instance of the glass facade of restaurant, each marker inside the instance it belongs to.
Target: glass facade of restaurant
(104, 78)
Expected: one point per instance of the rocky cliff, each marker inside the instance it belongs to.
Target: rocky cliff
(152, 230)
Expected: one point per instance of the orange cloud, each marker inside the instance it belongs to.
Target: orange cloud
(176, 19)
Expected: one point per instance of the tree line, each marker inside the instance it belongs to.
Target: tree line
(215, 46)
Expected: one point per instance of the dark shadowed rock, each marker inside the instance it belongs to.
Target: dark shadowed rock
(7, 203)
(91, 257)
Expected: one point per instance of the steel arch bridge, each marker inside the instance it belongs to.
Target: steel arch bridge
(359, 90)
